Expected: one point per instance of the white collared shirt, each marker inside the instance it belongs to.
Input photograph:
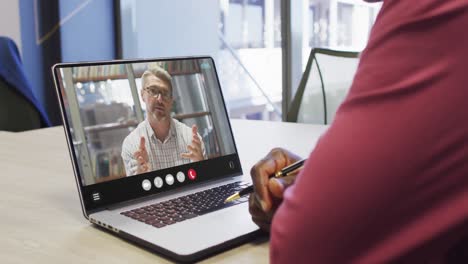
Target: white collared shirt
(161, 154)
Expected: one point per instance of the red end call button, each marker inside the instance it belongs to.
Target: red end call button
(192, 174)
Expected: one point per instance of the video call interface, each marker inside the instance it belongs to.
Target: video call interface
(128, 119)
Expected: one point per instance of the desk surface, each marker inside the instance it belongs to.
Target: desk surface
(41, 219)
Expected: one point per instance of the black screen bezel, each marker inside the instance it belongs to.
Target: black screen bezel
(128, 188)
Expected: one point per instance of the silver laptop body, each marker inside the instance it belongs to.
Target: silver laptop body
(95, 122)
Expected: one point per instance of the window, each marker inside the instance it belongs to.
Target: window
(243, 36)
(340, 24)
(250, 58)
(245, 39)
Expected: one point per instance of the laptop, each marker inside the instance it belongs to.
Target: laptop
(145, 190)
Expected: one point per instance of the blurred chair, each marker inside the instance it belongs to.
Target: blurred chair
(324, 85)
(19, 109)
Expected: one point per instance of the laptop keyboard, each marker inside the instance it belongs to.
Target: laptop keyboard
(186, 207)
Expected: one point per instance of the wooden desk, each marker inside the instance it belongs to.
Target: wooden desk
(41, 218)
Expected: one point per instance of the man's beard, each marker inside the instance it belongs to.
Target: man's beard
(159, 118)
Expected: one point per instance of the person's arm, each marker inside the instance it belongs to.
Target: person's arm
(337, 208)
(387, 180)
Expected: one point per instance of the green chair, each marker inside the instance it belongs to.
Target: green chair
(324, 85)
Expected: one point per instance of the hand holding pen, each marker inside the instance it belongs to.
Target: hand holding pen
(286, 171)
(268, 190)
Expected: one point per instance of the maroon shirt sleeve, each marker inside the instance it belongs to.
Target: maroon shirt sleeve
(389, 179)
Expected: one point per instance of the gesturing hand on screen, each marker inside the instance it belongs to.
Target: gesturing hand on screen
(195, 152)
(141, 156)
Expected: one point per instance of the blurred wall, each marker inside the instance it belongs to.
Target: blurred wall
(56, 31)
(10, 21)
(167, 28)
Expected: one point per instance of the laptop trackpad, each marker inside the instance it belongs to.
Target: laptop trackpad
(192, 235)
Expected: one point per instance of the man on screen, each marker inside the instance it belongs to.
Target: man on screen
(160, 141)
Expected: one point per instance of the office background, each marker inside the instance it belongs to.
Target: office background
(260, 46)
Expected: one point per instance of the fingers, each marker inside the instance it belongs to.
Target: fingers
(137, 166)
(262, 171)
(142, 143)
(260, 174)
(141, 157)
(260, 218)
(195, 138)
(133, 167)
(142, 165)
(140, 160)
(277, 186)
(141, 152)
(195, 149)
(194, 130)
(254, 207)
(143, 168)
(194, 153)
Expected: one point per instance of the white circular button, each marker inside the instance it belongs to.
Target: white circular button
(169, 179)
(158, 182)
(180, 176)
(146, 184)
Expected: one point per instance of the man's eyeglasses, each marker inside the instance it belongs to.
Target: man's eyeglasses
(156, 92)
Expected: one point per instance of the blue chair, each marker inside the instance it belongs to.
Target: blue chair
(19, 109)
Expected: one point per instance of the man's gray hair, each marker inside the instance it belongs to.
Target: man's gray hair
(158, 72)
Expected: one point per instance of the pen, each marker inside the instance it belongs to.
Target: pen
(282, 173)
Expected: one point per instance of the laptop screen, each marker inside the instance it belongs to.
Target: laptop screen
(137, 128)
